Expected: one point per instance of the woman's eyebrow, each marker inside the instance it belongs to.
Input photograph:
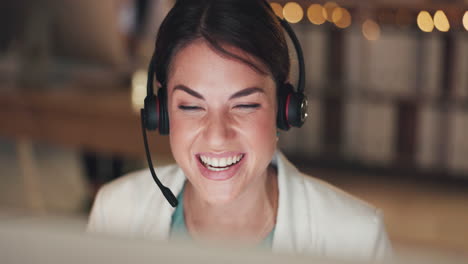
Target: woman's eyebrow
(188, 90)
(241, 93)
(246, 92)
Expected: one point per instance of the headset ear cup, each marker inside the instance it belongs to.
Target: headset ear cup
(296, 109)
(151, 112)
(163, 112)
(282, 119)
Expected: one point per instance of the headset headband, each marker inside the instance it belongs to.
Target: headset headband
(292, 36)
(299, 53)
(149, 84)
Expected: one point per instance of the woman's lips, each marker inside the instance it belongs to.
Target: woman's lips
(221, 175)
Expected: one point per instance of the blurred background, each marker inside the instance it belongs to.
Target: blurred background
(387, 82)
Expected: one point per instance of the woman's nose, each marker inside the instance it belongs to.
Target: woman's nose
(219, 130)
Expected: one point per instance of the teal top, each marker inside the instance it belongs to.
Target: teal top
(179, 229)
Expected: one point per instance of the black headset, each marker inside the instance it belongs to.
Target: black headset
(292, 107)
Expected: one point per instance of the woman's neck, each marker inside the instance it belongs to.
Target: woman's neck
(249, 218)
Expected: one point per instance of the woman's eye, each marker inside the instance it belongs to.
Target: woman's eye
(248, 106)
(189, 108)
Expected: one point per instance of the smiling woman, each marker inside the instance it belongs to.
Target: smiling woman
(222, 67)
(228, 113)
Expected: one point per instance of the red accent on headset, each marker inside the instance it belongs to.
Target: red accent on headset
(288, 99)
(157, 111)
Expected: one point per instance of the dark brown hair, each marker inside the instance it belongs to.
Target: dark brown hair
(249, 25)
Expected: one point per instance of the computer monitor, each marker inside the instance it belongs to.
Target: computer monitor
(62, 240)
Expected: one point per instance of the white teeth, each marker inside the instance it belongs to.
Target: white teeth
(222, 162)
(216, 164)
(217, 169)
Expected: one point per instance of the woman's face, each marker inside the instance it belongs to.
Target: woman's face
(222, 121)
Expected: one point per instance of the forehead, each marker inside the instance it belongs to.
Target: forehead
(200, 64)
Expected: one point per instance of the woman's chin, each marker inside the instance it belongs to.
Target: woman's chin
(216, 193)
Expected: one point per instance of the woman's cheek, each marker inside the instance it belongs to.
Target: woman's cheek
(182, 120)
(180, 130)
(261, 127)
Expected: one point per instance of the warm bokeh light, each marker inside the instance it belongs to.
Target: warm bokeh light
(315, 14)
(441, 21)
(341, 17)
(139, 80)
(371, 30)
(465, 20)
(328, 9)
(425, 22)
(293, 12)
(337, 14)
(278, 9)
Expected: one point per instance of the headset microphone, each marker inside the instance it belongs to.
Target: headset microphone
(166, 191)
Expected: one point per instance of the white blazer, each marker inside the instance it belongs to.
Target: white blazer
(313, 216)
